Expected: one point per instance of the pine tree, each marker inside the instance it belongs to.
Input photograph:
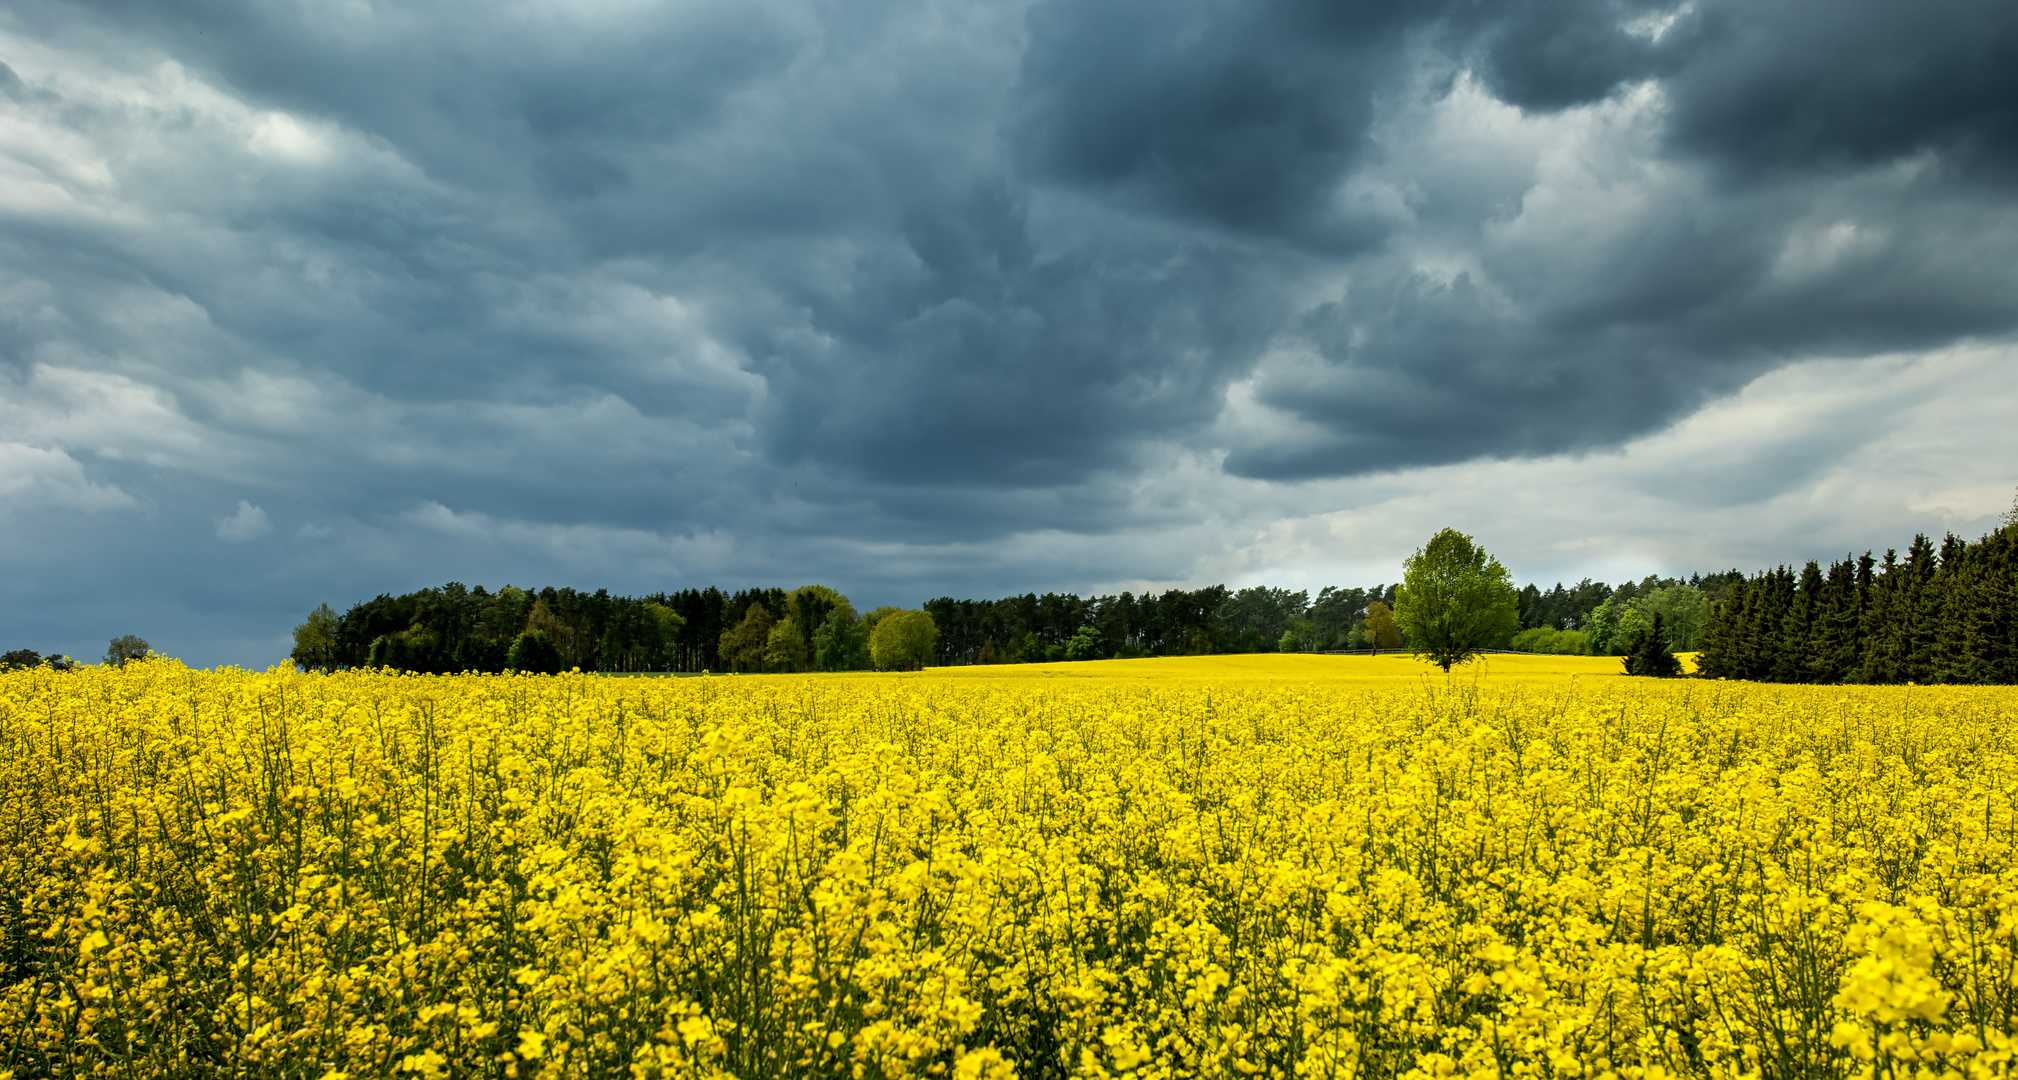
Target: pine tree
(1717, 655)
(1762, 626)
(1648, 652)
(1865, 588)
(1790, 660)
(1743, 651)
(1759, 627)
(1881, 638)
(1997, 625)
(1917, 613)
(1931, 616)
(1976, 629)
(1832, 646)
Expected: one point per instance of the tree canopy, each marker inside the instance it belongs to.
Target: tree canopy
(1381, 631)
(841, 644)
(1647, 652)
(455, 627)
(126, 647)
(1945, 613)
(315, 641)
(1455, 600)
(28, 658)
(903, 641)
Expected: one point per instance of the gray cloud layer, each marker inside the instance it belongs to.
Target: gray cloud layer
(303, 301)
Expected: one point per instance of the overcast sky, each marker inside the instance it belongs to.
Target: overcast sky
(307, 300)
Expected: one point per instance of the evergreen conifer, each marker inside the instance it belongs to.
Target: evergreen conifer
(1716, 655)
(1832, 645)
(1648, 654)
(1916, 619)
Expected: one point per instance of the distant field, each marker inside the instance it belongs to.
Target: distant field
(1304, 667)
(1220, 866)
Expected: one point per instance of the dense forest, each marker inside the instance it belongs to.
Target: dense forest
(458, 628)
(1946, 615)
(1592, 618)
(1065, 626)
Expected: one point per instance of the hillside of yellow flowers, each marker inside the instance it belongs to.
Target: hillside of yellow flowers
(1298, 866)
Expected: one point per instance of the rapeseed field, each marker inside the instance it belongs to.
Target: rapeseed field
(1298, 866)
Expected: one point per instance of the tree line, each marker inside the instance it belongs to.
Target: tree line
(1586, 618)
(1592, 618)
(1177, 622)
(453, 628)
(123, 648)
(1935, 615)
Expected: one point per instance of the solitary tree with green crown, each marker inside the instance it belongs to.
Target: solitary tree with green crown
(1454, 600)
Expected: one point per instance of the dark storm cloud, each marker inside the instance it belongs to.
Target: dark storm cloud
(1045, 373)
(1552, 54)
(1566, 354)
(1235, 114)
(1887, 127)
(824, 274)
(870, 251)
(1795, 85)
(1807, 85)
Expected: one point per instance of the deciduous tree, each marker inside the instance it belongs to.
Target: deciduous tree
(1455, 600)
(1684, 610)
(1381, 631)
(534, 651)
(903, 641)
(124, 648)
(1631, 623)
(785, 648)
(1601, 625)
(315, 641)
(744, 644)
(808, 607)
(840, 644)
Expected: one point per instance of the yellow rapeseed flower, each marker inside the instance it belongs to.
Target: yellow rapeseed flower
(1244, 866)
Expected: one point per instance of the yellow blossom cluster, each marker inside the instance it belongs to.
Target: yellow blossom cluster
(229, 873)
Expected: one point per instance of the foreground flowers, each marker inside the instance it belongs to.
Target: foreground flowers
(363, 875)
